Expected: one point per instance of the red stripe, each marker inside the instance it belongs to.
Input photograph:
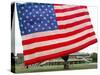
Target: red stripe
(56, 55)
(72, 16)
(39, 39)
(74, 23)
(69, 9)
(49, 47)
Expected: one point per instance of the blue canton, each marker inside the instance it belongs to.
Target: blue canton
(36, 17)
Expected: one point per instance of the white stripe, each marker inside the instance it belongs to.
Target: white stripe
(55, 41)
(72, 20)
(71, 12)
(57, 50)
(63, 6)
(58, 31)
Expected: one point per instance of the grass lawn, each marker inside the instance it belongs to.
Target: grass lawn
(21, 69)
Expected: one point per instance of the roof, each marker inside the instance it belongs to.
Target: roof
(80, 54)
(61, 60)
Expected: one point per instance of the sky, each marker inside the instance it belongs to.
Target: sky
(93, 48)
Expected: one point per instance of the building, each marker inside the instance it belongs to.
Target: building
(74, 58)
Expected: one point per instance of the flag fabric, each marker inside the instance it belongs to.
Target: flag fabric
(53, 30)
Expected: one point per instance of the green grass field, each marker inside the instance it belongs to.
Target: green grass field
(21, 69)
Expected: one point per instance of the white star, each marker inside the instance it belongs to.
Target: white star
(55, 26)
(31, 19)
(38, 18)
(32, 9)
(43, 12)
(43, 28)
(51, 17)
(39, 25)
(36, 29)
(22, 32)
(25, 27)
(28, 24)
(54, 20)
(33, 15)
(46, 24)
(30, 13)
(26, 10)
(46, 9)
(23, 14)
(48, 5)
(41, 15)
(41, 21)
(42, 6)
(27, 17)
(49, 11)
(36, 6)
(49, 27)
(21, 25)
(29, 30)
(37, 12)
(44, 18)
(48, 21)
(20, 18)
(52, 23)
(22, 8)
(35, 23)
(24, 21)
(53, 14)
(29, 7)
(40, 9)
(47, 14)
(19, 11)
(51, 8)
(32, 26)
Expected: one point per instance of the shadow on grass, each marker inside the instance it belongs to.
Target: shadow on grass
(22, 69)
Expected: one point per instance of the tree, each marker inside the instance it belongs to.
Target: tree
(94, 57)
(65, 58)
